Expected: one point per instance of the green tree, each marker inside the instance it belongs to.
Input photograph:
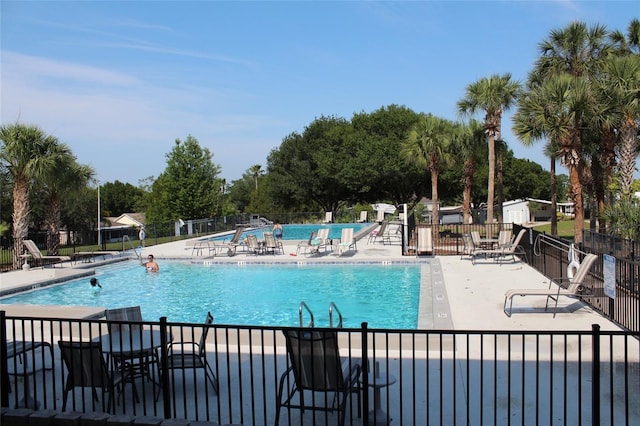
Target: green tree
(28, 154)
(492, 95)
(118, 197)
(189, 187)
(471, 146)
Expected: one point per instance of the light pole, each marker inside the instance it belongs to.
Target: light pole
(222, 191)
(99, 236)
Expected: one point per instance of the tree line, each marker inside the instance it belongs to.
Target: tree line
(582, 98)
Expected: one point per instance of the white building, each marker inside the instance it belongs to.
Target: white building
(533, 210)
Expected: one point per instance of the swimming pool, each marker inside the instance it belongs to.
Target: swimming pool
(385, 296)
(301, 232)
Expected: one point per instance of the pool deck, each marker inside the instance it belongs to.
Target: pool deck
(450, 286)
(455, 294)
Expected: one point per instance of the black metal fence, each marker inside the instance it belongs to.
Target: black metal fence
(549, 255)
(414, 377)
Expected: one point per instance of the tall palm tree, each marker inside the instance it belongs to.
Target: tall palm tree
(26, 153)
(577, 52)
(256, 171)
(65, 177)
(493, 95)
(549, 110)
(471, 146)
(427, 145)
(620, 87)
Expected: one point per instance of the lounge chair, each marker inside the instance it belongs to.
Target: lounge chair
(425, 241)
(347, 241)
(38, 257)
(271, 244)
(323, 238)
(380, 216)
(232, 245)
(499, 253)
(253, 247)
(363, 216)
(328, 217)
(316, 366)
(575, 286)
(505, 237)
(378, 234)
(192, 355)
(310, 246)
(469, 247)
(86, 368)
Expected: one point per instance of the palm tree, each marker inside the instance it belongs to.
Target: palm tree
(26, 153)
(493, 95)
(65, 177)
(256, 171)
(427, 145)
(576, 52)
(620, 86)
(470, 145)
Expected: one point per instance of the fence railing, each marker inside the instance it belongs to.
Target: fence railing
(423, 376)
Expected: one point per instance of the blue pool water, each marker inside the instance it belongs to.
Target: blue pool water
(384, 296)
(302, 232)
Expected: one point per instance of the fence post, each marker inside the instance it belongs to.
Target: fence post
(595, 372)
(4, 369)
(164, 368)
(365, 375)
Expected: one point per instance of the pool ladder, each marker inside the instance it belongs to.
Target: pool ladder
(303, 307)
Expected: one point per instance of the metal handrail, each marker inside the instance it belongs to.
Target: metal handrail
(138, 255)
(304, 305)
(332, 307)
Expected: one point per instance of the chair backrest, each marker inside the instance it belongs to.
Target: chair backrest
(468, 243)
(269, 239)
(383, 228)
(32, 248)
(380, 216)
(252, 242)
(323, 235)
(363, 215)
(130, 314)
(425, 240)
(85, 364)
(581, 273)
(205, 331)
(315, 359)
(328, 216)
(346, 236)
(236, 237)
(475, 237)
(516, 242)
(504, 237)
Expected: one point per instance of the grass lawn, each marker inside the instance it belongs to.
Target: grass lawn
(565, 228)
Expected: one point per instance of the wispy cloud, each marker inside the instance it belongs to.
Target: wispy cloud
(39, 69)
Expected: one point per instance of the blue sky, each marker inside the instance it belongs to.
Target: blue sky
(120, 81)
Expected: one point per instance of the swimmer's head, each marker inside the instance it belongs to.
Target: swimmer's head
(94, 282)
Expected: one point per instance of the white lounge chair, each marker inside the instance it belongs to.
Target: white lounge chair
(363, 216)
(347, 241)
(328, 217)
(576, 284)
(38, 257)
(424, 244)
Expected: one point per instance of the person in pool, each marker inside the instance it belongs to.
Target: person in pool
(151, 264)
(94, 282)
